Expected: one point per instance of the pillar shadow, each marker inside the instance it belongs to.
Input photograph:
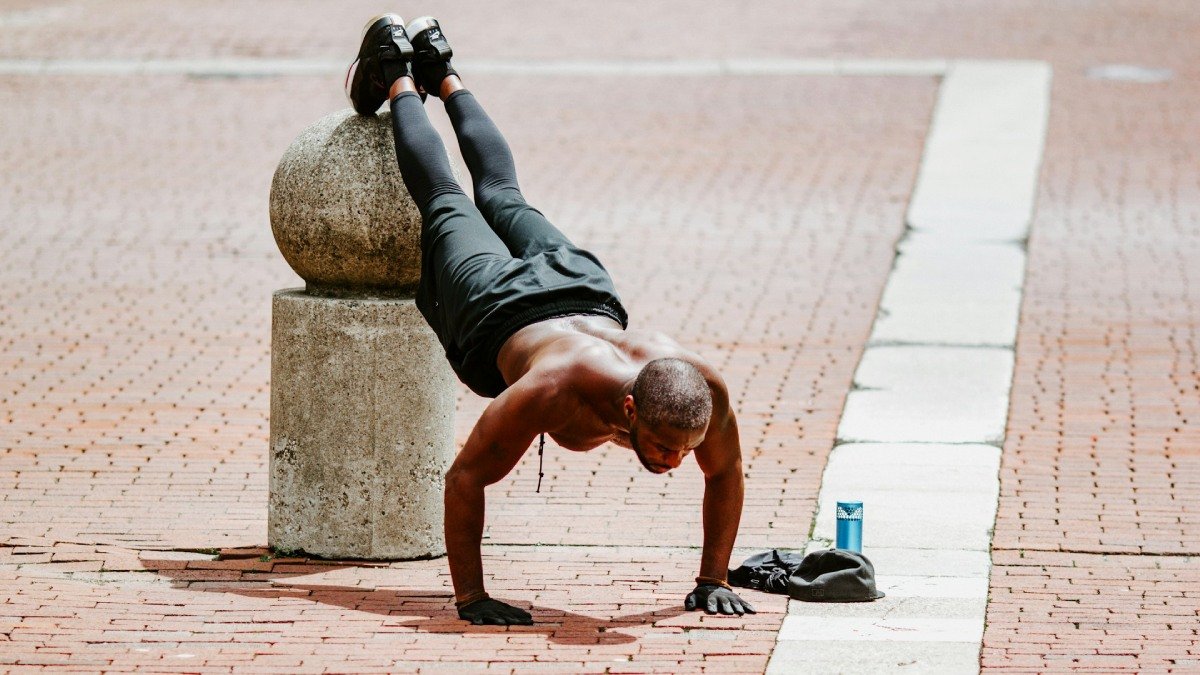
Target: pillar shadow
(421, 610)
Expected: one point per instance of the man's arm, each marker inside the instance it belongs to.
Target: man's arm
(501, 436)
(720, 458)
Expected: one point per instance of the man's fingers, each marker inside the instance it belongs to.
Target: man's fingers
(518, 617)
(718, 602)
(495, 613)
(494, 619)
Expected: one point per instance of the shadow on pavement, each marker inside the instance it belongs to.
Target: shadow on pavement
(425, 611)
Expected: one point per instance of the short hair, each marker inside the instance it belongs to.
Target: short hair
(672, 391)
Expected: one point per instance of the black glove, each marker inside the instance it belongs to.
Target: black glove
(713, 598)
(495, 613)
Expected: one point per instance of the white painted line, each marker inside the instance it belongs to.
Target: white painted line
(226, 67)
(951, 488)
(916, 520)
(920, 436)
(952, 293)
(884, 658)
(933, 587)
(262, 67)
(918, 394)
(930, 562)
(891, 629)
(978, 176)
(34, 16)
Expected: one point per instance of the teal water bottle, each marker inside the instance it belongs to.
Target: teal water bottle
(849, 526)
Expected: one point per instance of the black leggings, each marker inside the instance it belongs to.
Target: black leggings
(493, 266)
(422, 155)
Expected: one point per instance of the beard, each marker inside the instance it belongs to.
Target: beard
(637, 450)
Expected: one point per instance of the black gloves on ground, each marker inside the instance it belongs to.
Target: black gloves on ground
(713, 599)
(494, 613)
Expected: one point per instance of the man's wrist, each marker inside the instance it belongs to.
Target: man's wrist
(712, 581)
(470, 597)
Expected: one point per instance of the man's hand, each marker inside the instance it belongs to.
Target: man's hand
(494, 613)
(713, 598)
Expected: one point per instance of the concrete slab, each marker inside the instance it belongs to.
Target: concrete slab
(916, 520)
(796, 656)
(985, 101)
(1005, 259)
(892, 607)
(933, 418)
(979, 172)
(954, 292)
(912, 466)
(875, 629)
(968, 179)
(928, 395)
(931, 562)
(914, 495)
(918, 369)
(933, 587)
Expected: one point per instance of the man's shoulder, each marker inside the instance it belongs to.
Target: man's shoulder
(583, 361)
(649, 345)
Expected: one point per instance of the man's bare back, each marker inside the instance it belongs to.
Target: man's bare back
(590, 360)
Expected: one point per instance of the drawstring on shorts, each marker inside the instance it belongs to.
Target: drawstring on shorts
(541, 450)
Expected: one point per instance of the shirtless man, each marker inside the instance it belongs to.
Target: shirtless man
(532, 321)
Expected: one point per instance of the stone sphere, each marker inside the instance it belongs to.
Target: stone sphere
(340, 212)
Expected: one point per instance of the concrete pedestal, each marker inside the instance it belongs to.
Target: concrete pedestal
(362, 406)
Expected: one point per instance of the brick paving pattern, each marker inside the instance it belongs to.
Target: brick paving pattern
(1098, 535)
(135, 346)
(130, 424)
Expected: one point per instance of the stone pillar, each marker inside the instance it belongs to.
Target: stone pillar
(362, 399)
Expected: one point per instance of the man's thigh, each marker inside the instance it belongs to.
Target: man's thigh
(458, 249)
(522, 228)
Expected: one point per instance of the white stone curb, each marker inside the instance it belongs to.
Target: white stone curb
(920, 436)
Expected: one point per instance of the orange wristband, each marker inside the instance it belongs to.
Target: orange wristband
(713, 581)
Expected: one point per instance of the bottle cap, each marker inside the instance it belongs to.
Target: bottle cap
(849, 510)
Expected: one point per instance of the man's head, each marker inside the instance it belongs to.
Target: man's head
(668, 410)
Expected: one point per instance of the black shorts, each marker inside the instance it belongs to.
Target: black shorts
(480, 283)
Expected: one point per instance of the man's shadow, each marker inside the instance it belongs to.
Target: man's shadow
(424, 611)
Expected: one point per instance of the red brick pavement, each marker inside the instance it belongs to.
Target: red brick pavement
(135, 345)
(1107, 347)
(1098, 535)
(598, 609)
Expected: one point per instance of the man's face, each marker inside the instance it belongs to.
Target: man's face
(662, 448)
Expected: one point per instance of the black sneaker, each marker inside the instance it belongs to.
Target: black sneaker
(383, 58)
(431, 58)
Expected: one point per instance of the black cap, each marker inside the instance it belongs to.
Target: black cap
(836, 575)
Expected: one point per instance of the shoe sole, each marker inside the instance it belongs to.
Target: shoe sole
(422, 24)
(419, 24)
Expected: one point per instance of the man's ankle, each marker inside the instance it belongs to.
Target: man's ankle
(400, 86)
(450, 84)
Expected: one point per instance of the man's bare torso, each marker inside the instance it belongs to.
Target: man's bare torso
(588, 359)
